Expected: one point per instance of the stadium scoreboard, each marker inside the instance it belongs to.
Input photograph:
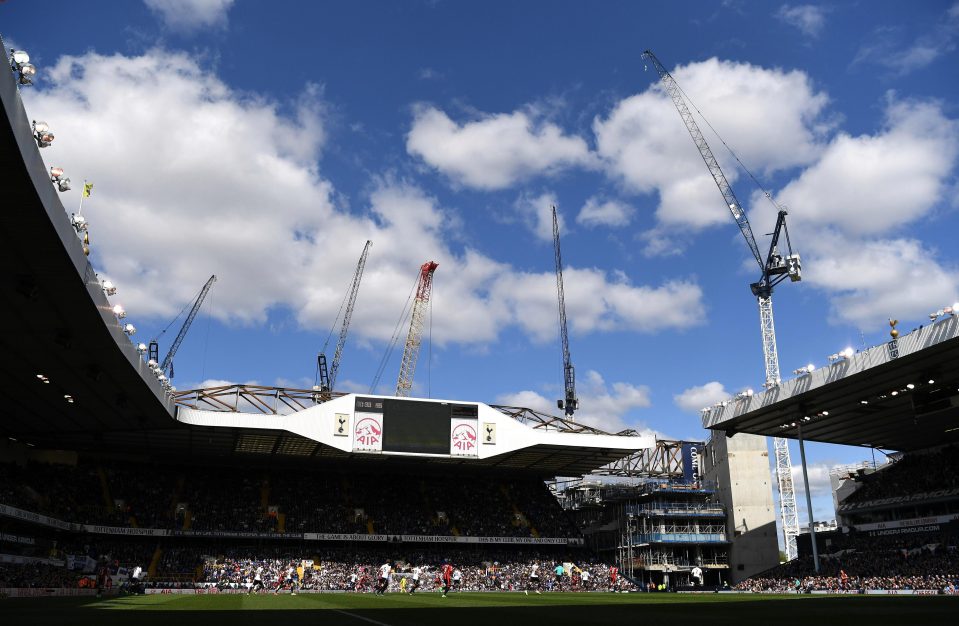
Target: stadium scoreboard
(416, 426)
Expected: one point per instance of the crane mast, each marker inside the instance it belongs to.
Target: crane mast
(774, 268)
(328, 378)
(571, 402)
(167, 364)
(404, 383)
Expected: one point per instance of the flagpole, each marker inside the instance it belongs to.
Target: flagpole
(82, 194)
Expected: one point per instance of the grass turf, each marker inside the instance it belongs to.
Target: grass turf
(486, 609)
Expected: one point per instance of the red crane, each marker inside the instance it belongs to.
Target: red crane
(412, 350)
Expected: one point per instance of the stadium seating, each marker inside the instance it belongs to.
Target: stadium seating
(232, 499)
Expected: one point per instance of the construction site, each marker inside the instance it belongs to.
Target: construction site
(118, 483)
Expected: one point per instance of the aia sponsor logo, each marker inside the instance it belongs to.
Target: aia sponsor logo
(368, 431)
(464, 438)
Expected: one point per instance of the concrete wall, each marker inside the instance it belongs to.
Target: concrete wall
(739, 466)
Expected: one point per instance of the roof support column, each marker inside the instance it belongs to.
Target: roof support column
(805, 479)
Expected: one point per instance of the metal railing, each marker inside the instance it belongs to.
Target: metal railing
(676, 508)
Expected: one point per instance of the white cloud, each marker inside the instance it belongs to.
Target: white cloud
(594, 303)
(871, 281)
(696, 398)
(537, 214)
(819, 484)
(771, 117)
(871, 184)
(191, 15)
(864, 189)
(887, 50)
(809, 19)
(599, 212)
(602, 405)
(193, 178)
(496, 151)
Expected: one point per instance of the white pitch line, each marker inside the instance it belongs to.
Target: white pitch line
(365, 619)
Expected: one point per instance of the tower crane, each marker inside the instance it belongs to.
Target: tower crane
(774, 268)
(570, 403)
(412, 350)
(328, 378)
(167, 365)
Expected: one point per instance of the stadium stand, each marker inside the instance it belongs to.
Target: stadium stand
(250, 500)
(914, 473)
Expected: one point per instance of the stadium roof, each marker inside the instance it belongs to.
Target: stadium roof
(55, 320)
(902, 395)
(501, 437)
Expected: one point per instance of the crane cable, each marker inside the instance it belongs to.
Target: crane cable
(742, 165)
(407, 309)
(206, 342)
(173, 321)
(316, 375)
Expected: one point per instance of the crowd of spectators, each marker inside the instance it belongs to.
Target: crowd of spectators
(245, 500)
(914, 473)
(864, 563)
(357, 571)
(333, 569)
(36, 575)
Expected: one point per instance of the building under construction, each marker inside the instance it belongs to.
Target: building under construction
(667, 529)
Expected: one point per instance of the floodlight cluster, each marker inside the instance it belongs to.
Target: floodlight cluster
(25, 71)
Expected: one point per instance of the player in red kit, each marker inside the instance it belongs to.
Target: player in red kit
(613, 577)
(447, 576)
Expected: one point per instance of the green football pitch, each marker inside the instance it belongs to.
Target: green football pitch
(486, 609)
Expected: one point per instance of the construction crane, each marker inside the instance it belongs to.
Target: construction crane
(404, 383)
(327, 378)
(167, 365)
(571, 402)
(774, 268)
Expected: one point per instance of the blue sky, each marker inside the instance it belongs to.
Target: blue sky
(266, 142)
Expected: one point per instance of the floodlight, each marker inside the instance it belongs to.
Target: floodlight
(63, 184)
(56, 173)
(20, 63)
(847, 353)
(141, 348)
(910, 386)
(41, 132)
(119, 312)
(931, 381)
(161, 377)
(130, 329)
(79, 222)
(151, 363)
(19, 57)
(955, 308)
(108, 287)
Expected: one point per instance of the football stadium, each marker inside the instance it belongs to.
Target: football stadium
(126, 500)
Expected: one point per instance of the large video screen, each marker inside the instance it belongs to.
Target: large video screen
(411, 426)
